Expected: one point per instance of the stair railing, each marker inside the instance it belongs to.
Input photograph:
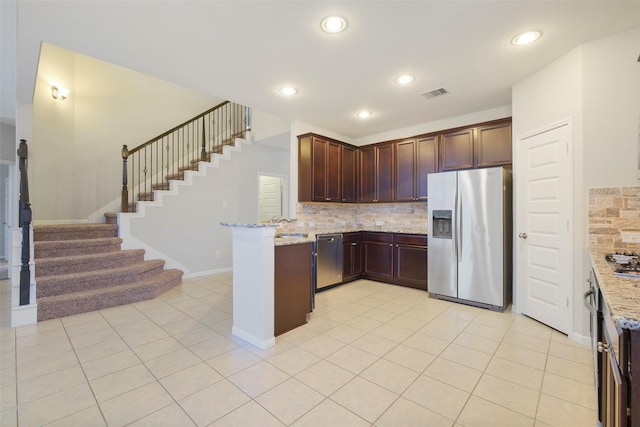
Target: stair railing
(149, 166)
(24, 219)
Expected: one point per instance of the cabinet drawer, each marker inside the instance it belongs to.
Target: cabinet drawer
(411, 239)
(371, 236)
(352, 237)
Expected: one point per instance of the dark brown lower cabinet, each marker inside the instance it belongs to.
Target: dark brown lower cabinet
(619, 375)
(378, 256)
(292, 286)
(352, 256)
(396, 258)
(410, 260)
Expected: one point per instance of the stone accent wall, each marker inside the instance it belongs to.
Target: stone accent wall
(611, 212)
(320, 217)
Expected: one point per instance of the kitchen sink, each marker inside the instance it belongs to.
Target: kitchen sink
(292, 235)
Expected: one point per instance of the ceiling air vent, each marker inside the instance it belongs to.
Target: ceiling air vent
(436, 92)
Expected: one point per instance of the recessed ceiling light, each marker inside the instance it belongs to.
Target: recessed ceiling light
(364, 114)
(288, 91)
(334, 24)
(526, 38)
(404, 79)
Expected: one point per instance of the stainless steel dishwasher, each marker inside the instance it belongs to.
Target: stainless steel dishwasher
(329, 260)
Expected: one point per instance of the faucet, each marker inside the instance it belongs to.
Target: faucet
(277, 219)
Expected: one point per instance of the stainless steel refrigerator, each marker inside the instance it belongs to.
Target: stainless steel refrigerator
(470, 234)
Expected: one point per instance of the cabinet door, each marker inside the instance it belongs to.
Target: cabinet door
(368, 174)
(385, 172)
(456, 150)
(305, 169)
(410, 260)
(333, 172)
(405, 166)
(352, 253)
(613, 390)
(349, 174)
(426, 163)
(378, 255)
(319, 169)
(292, 286)
(493, 145)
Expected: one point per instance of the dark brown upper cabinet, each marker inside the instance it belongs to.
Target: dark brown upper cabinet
(493, 145)
(349, 174)
(326, 170)
(481, 146)
(414, 159)
(377, 173)
(456, 150)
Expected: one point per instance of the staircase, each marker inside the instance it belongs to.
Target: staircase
(81, 268)
(193, 166)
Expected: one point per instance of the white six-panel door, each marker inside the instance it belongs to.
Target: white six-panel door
(543, 231)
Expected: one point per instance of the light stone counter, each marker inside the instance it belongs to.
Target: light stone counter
(621, 294)
(311, 235)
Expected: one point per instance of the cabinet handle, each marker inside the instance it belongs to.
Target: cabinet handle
(353, 244)
(602, 347)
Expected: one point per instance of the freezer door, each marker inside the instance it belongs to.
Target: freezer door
(481, 228)
(441, 271)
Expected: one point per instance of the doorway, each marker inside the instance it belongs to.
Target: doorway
(272, 200)
(6, 196)
(544, 243)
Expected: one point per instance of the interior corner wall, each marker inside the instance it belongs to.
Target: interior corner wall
(186, 228)
(76, 146)
(612, 111)
(549, 96)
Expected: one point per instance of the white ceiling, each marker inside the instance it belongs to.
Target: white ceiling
(245, 50)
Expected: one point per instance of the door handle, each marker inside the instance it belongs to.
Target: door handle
(522, 235)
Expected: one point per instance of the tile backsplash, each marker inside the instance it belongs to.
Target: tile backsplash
(332, 216)
(613, 211)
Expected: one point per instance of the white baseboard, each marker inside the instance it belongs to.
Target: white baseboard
(207, 273)
(24, 315)
(582, 339)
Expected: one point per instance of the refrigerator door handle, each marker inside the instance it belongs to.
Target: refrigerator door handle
(454, 229)
(458, 224)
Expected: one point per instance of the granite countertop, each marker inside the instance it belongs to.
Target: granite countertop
(311, 235)
(621, 294)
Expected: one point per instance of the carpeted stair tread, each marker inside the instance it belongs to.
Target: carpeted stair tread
(74, 232)
(61, 248)
(77, 282)
(81, 302)
(76, 264)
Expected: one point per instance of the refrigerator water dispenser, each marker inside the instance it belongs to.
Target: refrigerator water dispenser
(441, 224)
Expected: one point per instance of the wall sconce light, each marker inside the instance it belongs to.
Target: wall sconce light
(59, 93)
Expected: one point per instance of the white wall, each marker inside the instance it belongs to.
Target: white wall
(75, 152)
(612, 110)
(187, 228)
(598, 86)
(7, 142)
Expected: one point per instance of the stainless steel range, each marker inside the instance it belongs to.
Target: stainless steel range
(624, 264)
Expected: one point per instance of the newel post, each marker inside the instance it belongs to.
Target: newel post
(124, 203)
(203, 151)
(25, 223)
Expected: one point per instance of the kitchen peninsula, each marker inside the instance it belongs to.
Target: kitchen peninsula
(614, 303)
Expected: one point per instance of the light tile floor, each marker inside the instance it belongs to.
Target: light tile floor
(372, 354)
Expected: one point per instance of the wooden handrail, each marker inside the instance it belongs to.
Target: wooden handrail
(25, 222)
(170, 131)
